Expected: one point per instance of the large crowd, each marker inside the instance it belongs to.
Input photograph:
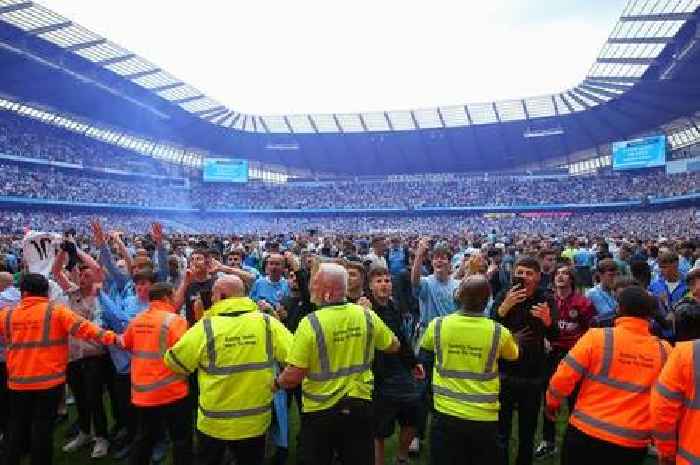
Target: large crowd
(161, 295)
(45, 182)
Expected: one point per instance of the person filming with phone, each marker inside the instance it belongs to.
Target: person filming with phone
(530, 313)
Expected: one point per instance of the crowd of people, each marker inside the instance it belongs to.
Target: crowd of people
(231, 305)
(361, 322)
(24, 137)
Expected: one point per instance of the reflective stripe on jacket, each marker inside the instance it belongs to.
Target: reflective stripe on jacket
(36, 334)
(148, 337)
(234, 348)
(675, 405)
(465, 378)
(616, 368)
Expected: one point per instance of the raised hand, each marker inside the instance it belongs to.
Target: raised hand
(542, 312)
(98, 234)
(157, 233)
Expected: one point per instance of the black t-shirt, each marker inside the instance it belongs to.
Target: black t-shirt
(531, 364)
(191, 294)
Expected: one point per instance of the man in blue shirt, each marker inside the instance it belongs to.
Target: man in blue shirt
(602, 295)
(686, 260)
(435, 295)
(669, 286)
(270, 289)
(397, 257)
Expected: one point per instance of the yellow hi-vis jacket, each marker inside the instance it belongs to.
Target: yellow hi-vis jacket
(465, 376)
(336, 344)
(233, 348)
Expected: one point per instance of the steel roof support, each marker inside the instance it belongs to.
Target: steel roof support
(174, 85)
(209, 110)
(49, 28)
(115, 60)
(148, 72)
(658, 17)
(84, 45)
(188, 99)
(15, 7)
(640, 40)
(627, 61)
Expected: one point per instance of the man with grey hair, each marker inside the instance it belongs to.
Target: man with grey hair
(464, 348)
(332, 354)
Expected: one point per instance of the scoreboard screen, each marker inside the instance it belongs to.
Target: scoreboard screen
(646, 152)
(225, 170)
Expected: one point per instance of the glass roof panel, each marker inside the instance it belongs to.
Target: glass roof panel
(32, 18)
(199, 105)
(275, 123)
(482, 113)
(402, 120)
(350, 122)
(325, 123)
(179, 93)
(131, 66)
(156, 80)
(70, 35)
(575, 106)
(454, 116)
(375, 121)
(510, 110)
(301, 124)
(102, 52)
(540, 107)
(427, 118)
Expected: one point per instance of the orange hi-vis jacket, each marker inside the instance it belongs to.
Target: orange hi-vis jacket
(616, 368)
(675, 405)
(36, 334)
(148, 337)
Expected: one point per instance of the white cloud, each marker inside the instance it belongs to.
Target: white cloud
(271, 57)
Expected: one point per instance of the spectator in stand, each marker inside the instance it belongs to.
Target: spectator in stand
(576, 313)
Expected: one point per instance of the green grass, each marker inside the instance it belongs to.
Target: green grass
(82, 457)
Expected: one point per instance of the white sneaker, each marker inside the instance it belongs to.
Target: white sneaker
(77, 442)
(414, 447)
(100, 449)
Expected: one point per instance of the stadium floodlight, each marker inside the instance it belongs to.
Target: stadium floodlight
(547, 132)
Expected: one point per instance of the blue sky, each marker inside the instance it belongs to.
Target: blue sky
(324, 56)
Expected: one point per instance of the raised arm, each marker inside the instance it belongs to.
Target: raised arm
(422, 251)
(58, 271)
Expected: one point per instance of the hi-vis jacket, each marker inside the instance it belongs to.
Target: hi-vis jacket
(234, 348)
(617, 368)
(36, 335)
(467, 348)
(336, 345)
(148, 337)
(675, 405)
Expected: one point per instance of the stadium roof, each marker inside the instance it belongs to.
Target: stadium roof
(645, 75)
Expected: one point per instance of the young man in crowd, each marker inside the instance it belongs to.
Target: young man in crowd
(602, 294)
(87, 363)
(576, 313)
(395, 397)
(531, 313)
(670, 285)
(435, 295)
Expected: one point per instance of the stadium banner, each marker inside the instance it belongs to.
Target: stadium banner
(225, 170)
(646, 152)
(546, 214)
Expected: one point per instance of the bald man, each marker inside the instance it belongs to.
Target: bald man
(332, 354)
(464, 348)
(234, 348)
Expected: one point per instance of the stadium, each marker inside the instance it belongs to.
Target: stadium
(100, 145)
